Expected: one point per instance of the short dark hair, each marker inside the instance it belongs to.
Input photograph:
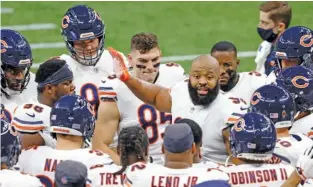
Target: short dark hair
(224, 46)
(144, 42)
(195, 128)
(278, 11)
(46, 69)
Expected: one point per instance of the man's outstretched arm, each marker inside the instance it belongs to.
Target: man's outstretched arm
(152, 94)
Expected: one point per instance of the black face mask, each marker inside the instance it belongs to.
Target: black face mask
(267, 34)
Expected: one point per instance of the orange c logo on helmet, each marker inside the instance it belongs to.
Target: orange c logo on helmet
(297, 85)
(304, 38)
(65, 22)
(5, 45)
(240, 125)
(255, 99)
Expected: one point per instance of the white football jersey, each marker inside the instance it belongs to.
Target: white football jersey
(211, 119)
(303, 126)
(16, 99)
(206, 164)
(32, 117)
(102, 175)
(271, 78)
(87, 78)
(247, 83)
(41, 161)
(289, 149)
(252, 175)
(133, 111)
(9, 178)
(143, 175)
(308, 183)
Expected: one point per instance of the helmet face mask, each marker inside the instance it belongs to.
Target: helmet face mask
(16, 61)
(82, 25)
(11, 80)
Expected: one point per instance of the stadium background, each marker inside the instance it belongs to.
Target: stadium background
(183, 28)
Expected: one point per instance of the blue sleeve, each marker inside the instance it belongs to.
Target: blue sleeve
(270, 63)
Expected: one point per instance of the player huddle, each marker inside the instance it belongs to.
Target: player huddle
(94, 117)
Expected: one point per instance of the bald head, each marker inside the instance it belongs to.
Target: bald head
(203, 80)
(205, 63)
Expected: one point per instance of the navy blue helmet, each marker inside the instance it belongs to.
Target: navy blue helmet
(275, 103)
(10, 144)
(16, 60)
(298, 80)
(253, 137)
(82, 23)
(295, 44)
(72, 115)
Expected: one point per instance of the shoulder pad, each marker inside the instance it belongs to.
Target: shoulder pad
(31, 117)
(107, 88)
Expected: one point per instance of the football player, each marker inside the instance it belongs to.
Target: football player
(233, 84)
(132, 147)
(179, 149)
(83, 31)
(293, 47)
(197, 98)
(72, 122)
(298, 81)
(120, 108)
(17, 82)
(10, 150)
(32, 119)
(197, 136)
(277, 104)
(252, 141)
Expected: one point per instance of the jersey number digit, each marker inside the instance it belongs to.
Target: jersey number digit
(255, 73)
(7, 115)
(138, 167)
(148, 117)
(45, 180)
(171, 64)
(35, 107)
(90, 92)
(237, 100)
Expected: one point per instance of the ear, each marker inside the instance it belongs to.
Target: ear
(193, 149)
(130, 60)
(238, 61)
(162, 148)
(118, 149)
(281, 27)
(147, 151)
(49, 88)
(160, 53)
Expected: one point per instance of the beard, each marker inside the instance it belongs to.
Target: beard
(204, 100)
(231, 82)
